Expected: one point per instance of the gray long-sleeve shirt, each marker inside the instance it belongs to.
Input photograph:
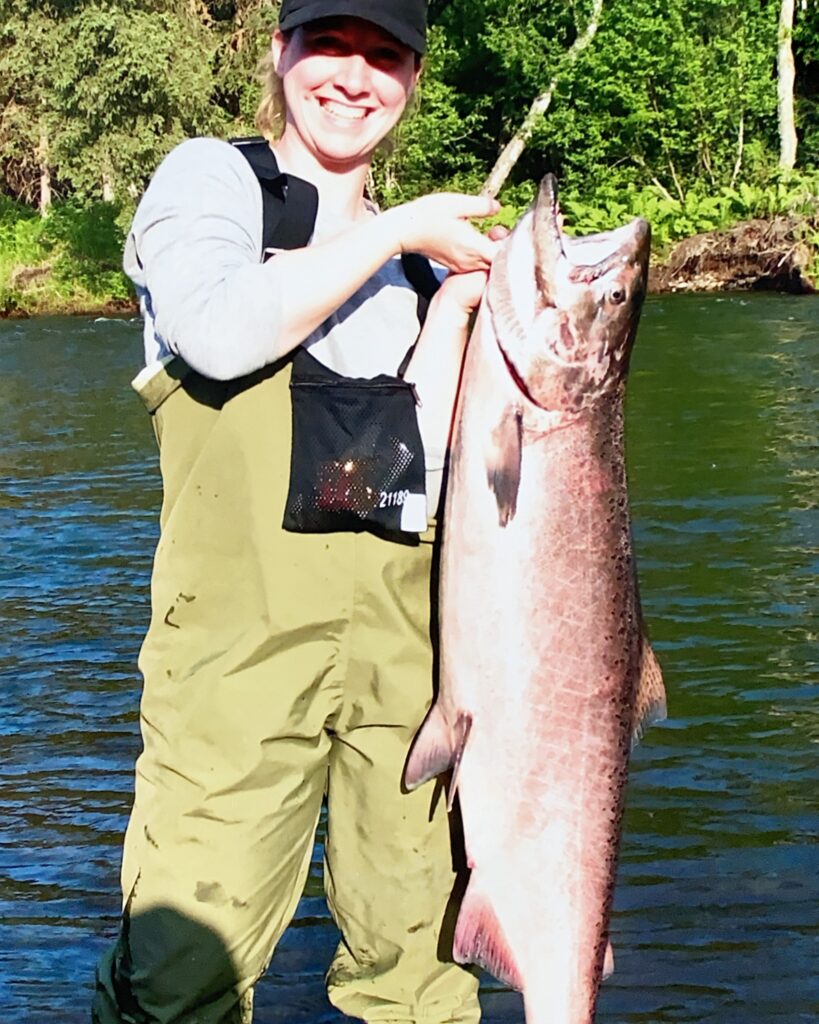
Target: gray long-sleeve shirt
(193, 253)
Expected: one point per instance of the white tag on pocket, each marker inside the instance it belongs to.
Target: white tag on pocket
(414, 513)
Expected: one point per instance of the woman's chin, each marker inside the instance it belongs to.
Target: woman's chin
(345, 154)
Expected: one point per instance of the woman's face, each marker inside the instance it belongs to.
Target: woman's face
(346, 83)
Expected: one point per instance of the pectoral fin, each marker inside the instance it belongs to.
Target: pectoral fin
(503, 461)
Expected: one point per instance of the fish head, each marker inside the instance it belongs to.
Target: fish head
(565, 309)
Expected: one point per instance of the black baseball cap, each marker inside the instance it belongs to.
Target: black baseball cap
(404, 19)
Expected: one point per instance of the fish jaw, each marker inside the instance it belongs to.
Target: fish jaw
(566, 331)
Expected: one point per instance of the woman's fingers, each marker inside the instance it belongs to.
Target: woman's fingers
(464, 291)
(498, 232)
(438, 226)
(458, 205)
(460, 247)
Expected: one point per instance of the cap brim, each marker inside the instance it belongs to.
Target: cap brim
(366, 11)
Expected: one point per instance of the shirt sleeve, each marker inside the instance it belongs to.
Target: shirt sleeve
(194, 253)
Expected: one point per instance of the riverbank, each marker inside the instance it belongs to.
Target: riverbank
(776, 255)
(42, 297)
(68, 262)
(780, 254)
(58, 305)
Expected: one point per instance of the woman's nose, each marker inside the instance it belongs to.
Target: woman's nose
(354, 75)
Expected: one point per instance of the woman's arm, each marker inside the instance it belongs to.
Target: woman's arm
(435, 367)
(195, 248)
(436, 225)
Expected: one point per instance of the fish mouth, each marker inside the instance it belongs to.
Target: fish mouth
(546, 228)
(585, 258)
(565, 335)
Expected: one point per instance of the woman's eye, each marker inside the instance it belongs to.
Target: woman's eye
(328, 44)
(386, 56)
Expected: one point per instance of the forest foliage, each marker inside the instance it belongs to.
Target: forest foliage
(671, 111)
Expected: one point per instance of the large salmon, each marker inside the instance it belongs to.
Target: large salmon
(546, 675)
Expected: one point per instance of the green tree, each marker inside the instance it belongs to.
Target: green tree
(675, 95)
(29, 46)
(132, 80)
(95, 93)
(670, 92)
(806, 56)
(241, 31)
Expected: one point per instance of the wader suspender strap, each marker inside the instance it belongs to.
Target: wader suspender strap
(421, 276)
(290, 205)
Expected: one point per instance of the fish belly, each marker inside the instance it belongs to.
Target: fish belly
(540, 644)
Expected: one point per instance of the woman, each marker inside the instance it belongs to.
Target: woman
(283, 668)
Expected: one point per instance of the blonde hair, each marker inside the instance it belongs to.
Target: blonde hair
(271, 114)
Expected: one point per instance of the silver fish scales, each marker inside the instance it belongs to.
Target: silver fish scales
(546, 674)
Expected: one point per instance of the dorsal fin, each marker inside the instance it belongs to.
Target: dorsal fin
(608, 961)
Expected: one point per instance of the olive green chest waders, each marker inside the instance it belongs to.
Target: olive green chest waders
(279, 668)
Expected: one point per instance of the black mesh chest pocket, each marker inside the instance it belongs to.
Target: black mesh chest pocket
(357, 457)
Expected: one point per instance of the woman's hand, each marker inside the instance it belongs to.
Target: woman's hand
(464, 290)
(438, 226)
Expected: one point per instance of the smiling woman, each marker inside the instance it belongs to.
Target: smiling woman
(286, 666)
(346, 83)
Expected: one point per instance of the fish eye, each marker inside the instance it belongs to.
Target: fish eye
(617, 296)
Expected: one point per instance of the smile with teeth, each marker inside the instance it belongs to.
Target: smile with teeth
(344, 112)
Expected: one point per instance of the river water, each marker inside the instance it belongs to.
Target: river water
(717, 906)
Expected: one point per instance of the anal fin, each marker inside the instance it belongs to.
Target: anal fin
(479, 939)
(435, 749)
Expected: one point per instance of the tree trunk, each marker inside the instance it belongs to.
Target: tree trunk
(516, 145)
(108, 195)
(786, 74)
(740, 150)
(44, 203)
